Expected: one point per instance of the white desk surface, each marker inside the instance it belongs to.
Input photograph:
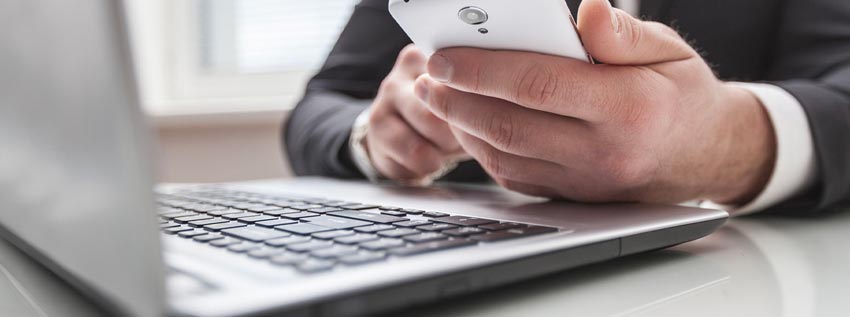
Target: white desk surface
(754, 266)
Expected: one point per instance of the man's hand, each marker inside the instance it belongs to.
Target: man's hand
(405, 141)
(653, 124)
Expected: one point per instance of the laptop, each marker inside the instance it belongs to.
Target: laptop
(78, 195)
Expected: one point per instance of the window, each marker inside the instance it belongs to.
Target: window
(214, 56)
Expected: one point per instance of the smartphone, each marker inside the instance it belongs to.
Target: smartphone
(540, 26)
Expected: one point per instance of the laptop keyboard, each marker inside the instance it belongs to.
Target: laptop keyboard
(316, 235)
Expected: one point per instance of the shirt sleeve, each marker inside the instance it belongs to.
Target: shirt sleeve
(795, 168)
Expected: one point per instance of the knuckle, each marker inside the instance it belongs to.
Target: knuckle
(388, 86)
(537, 85)
(634, 32)
(500, 130)
(409, 55)
(492, 162)
(417, 149)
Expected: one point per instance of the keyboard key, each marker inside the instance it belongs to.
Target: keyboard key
(279, 212)
(396, 233)
(256, 219)
(436, 227)
(226, 242)
(309, 246)
(388, 208)
(265, 253)
(240, 215)
(410, 211)
(314, 266)
(178, 214)
(305, 206)
(256, 234)
(368, 216)
(426, 237)
(201, 223)
(333, 234)
(361, 258)
(393, 213)
(374, 228)
(501, 226)
(224, 212)
(412, 223)
(192, 218)
(223, 226)
(168, 210)
(513, 233)
(356, 206)
(262, 208)
(208, 237)
(204, 208)
(289, 258)
(464, 231)
(336, 222)
(382, 244)
(303, 228)
(175, 230)
(192, 233)
(282, 242)
(243, 247)
(358, 238)
(275, 223)
(300, 215)
(324, 210)
(464, 221)
(334, 252)
(431, 246)
(434, 214)
(169, 225)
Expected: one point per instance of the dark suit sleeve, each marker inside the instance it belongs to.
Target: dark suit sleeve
(317, 132)
(813, 64)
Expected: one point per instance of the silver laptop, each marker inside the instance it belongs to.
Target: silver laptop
(77, 194)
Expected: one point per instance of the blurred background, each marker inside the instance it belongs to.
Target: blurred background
(218, 77)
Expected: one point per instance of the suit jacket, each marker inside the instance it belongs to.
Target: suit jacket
(802, 46)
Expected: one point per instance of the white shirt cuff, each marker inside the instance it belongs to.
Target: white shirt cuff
(359, 154)
(795, 167)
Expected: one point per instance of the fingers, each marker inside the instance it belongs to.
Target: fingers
(391, 136)
(434, 129)
(615, 37)
(505, 166)
(541, 82)
(504, 125)
(390, 168)
(411, 61)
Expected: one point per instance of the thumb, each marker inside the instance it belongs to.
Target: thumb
(614, 37)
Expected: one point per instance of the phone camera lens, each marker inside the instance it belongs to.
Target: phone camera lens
(472, 15)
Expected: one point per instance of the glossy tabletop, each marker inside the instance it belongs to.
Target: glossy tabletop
(760, 265)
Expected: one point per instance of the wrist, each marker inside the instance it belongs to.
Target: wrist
(748, 148)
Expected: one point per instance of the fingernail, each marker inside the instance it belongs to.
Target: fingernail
(440, 68)
(615, 22)
(421, 90)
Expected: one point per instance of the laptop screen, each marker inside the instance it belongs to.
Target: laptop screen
(75, 184)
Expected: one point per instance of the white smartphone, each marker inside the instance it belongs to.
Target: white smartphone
(540, 26)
